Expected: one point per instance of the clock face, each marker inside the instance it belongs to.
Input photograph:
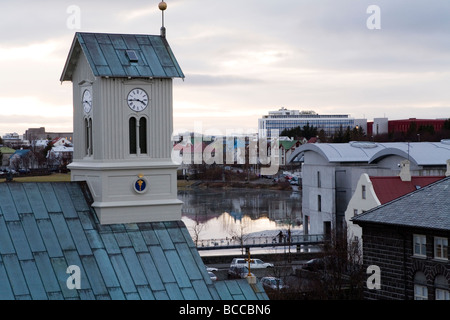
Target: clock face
(137, 100)
(87, 101)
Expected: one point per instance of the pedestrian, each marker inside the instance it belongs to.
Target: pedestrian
(280, 236)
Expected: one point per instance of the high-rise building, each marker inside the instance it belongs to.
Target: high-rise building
(288, 119)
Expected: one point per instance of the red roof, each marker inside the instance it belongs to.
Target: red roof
(390, 188)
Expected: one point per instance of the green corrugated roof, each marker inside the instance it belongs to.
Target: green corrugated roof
(288, 144)
(47, 227)
(107, 56)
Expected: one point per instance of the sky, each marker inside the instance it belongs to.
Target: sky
(241, 59)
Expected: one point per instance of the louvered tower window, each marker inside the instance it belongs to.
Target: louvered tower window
(138, 135)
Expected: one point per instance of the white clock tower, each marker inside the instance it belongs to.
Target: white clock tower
(122, 122)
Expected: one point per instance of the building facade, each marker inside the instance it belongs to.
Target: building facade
(330, 173)
(288, 119)
(34, 134)
(407, 239)
(384, 125)
(371, 192)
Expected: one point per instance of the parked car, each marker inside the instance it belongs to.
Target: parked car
(319, 264)
(212, 276)
(236, 272)
(254, 264)
(315, 264)
(211, 269)
(273, 283)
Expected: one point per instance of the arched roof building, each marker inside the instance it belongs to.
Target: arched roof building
(330, 172)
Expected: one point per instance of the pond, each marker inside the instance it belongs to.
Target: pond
(219, 213)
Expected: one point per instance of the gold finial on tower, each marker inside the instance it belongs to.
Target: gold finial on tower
(162, 6)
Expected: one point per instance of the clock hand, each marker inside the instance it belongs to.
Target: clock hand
(141, 101)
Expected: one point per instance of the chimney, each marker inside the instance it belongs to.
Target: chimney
(405, 172)
(447, 173)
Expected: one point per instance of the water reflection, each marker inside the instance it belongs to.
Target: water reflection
(218, 214)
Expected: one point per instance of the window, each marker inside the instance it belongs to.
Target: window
(89, 149)
(91, 143)
(138, 135)
(363, 190)
(420, 245)
(420, 287)
(86, 133)
(441, 248)
(441, 288)
(442, 294)
(132, 56)
(319, 184)
(355, 212)
(143, 135)
(319, 203)
(327, 229)
(133, 138)
(306, 225)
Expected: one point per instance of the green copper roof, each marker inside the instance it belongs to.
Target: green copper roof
(288, 144)
(123, 55)
(47, 227)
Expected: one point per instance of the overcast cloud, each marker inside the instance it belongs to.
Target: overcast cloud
(241, 58)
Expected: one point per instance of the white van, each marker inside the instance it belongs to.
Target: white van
(255, 264)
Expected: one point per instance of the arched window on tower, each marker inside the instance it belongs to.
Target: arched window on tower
(138, 135)
(91, 141)
(143, 135)
(89, 149)
(86, 132)
(132, 134)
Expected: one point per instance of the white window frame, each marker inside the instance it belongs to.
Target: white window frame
(420, 292)
(441, 248)
(442, 294)
(422, 245)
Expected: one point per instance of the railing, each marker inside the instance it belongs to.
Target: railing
(267, 241)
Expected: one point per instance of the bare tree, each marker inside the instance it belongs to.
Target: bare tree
(196, 229)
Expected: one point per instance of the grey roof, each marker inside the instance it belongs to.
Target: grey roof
(421, 153)
(427, 207)
(47, 227)
(107, 56)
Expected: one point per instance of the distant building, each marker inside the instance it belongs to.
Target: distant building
(407, 239)
(286, 149)
(11, 139)
(5, 154)
(33, 134)
(288, 119)
(383, 125)
(23, 159)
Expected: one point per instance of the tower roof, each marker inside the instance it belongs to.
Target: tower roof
(123, 56)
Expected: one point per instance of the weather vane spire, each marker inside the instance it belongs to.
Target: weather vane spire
(163, 6)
